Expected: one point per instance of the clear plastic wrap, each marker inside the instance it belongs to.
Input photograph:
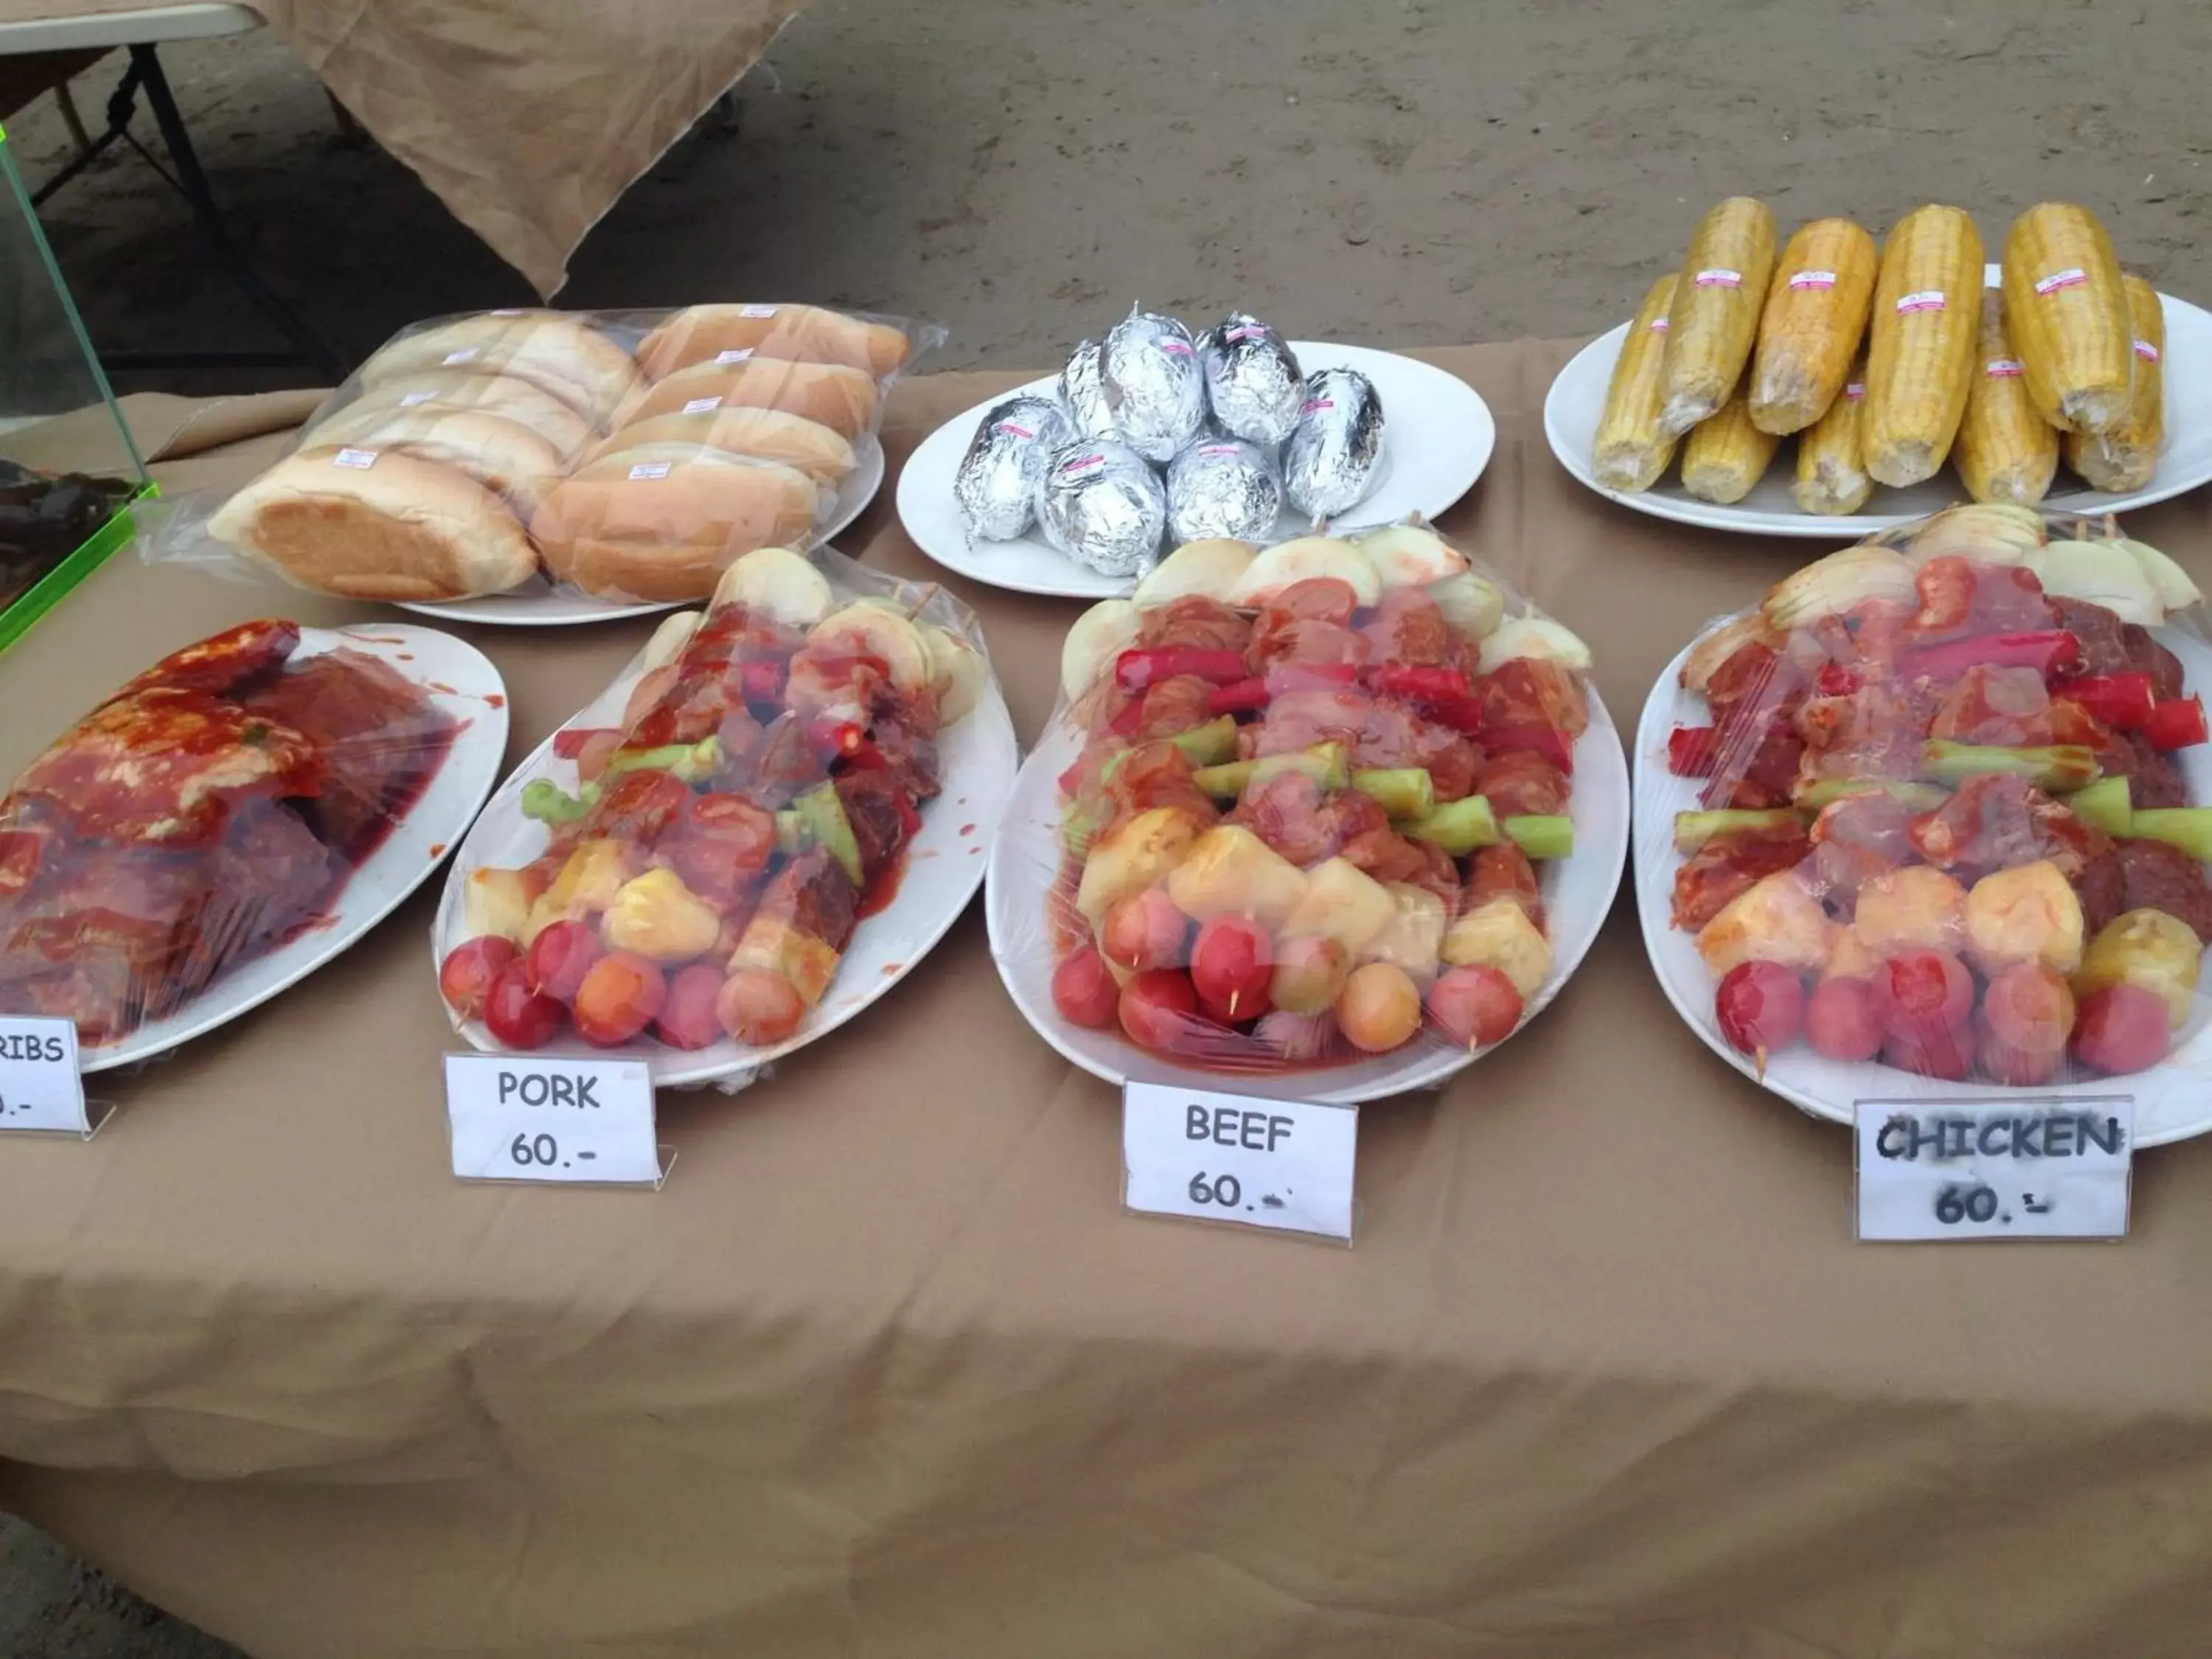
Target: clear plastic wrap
(765, 821)
(1327, 819)
(230, 818)
(1933, 819)
(626, 457)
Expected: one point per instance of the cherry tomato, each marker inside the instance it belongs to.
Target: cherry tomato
(1842, 1019)
(619, 997)
(468, 968)
(1476, 1007)
(1308, 973)
(517, 1016)
(759, 1007)
(1231, 965)
(2124, 1028)
(1160, 1010)
(1924, 994)
(560, 956)
(1760, 1006)
(1082, 991)
(1948, 1055)
(687, 1018)
(1302, 1039)
(2027, 1013)
(1143, 931)
(1379, 1007)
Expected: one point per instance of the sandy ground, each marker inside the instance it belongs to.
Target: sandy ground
(1399, 172)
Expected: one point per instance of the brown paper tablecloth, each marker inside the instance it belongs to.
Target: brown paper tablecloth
(528, 118)
(885, 1372)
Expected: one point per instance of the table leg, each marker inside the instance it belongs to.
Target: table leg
(193, 184)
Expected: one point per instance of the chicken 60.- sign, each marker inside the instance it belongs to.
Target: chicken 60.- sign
(2024, 1167)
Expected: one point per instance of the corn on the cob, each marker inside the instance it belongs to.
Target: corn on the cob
(1831, 478)
(1920, 352)
(1629, 452)
(2006, 452)
(2124, 455)
(1724, 456)
(1815, 317)
(2068, 316)
(1714, 316)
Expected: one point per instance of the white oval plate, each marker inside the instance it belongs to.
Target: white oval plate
(977, 759)
(1578, 892)
(2174, 1100)
(538, 604)
(1576, 399)
(1436, 438)
(462, 681)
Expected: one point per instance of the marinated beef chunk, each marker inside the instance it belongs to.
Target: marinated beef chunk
(2001, 821)
(878, 815)
(2153, 780)
(812, 895)
(1304, 823)
(1201, 625)
(379, 736)
(2156, 877)
(2102, 886)
(2103, 635)
(2145, 655)
(227, 662)
(1517, 782)
(1730, 865)
(1505, 868)
(777, 767)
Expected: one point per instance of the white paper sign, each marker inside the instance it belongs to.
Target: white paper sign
(1214, 1156)
(530, 1117)
(2028, 1166)
(40, 1087)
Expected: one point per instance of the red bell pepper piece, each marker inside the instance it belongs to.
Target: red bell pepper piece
(1244, 697)
(568, 743)
(1534, 736)
(1421, 684)
(1693, 751)
(2049, 651)
(2176, 723)
(2124, 702)
(1462, 714)
(1125, 724)
(1133, 670)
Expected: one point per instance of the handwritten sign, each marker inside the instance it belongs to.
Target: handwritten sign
(2030, 1166)
(1207, 1156)
(40, 1088)
(531, 1117)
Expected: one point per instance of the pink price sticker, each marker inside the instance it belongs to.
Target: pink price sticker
(1658, 325)
(1717, 278)
(1175, 348)
(1855, 391)
(1927, 299)
(1246, 331)
(1013, 430)
(649, 470)
(1217, 449)
(1315, 405)
(2146, 351)
(2003, 368)
(2073, 277)
(359, 459)
(735, 354)
(701, 405)
(1081, 464)
(758, 311)
(1813, 279)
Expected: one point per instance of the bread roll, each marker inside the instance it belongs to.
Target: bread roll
(577, 364)
(841, 397)
(499, 454)
(454, 388)
(799, 334)
(654, 523)
(377, 524)
(764, 434)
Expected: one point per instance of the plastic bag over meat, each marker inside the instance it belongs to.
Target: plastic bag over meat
(1300, 811)
(683, 871)
(1952, 809)
(623, 456)
(206, 812)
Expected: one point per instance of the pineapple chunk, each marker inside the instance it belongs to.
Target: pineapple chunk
(1230, 872)
(1497, 934)
(2027, 915)
(1343, 902)
(495, 903)
(1915, 909)
(1850, 958)
(1415, 937)
(1136, 856)
(658, 916)
(1777, 920)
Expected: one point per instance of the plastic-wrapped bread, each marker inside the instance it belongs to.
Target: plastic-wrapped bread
(1630, 450)
(2069, 316)
(1723, 457)
(2124, 455)
(1832, 479)
(1814, 319)
(1714, 316)
(2006, 451)
(1920, 353)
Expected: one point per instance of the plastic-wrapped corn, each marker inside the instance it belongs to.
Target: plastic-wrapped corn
(1629, 452)
(2006, 452)
(1723, 457)
(1814, 319)
(1831, 478)
(2124, 455)
(1921, 340)
(2068, 315)
(1715, 315)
